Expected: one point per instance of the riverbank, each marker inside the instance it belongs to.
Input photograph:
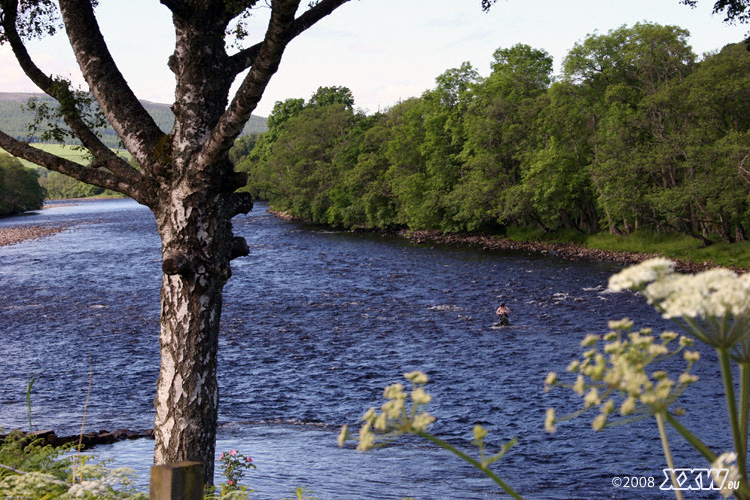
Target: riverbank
(563, 249)
(17, 234)
(86, 441)
(570, 251)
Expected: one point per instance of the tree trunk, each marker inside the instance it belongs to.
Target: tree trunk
(196, 249)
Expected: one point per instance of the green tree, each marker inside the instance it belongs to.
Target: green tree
(362, 198)
(19, 187)
(242, 147)
(328, 96)
(299, 169)
(613, 76)
(425, 147)
(499, 125)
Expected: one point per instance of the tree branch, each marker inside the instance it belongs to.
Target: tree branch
(282, 28)
(251, 90)
(128, 118)
(246, 58)
(95, 176)
(64, 96)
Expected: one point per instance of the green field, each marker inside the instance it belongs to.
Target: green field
(73, 153)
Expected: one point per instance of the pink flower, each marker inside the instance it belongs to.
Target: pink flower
(221, 457)
(249, 459)
(230, 482)
(232, 453)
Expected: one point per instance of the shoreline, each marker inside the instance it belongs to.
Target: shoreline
(568, 251)
(17, 234)
(85, 440)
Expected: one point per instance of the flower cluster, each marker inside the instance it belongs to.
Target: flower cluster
(718, 297)
(395, 418)
(233, 465)
(617, 376)
(726, 462)
(636, 277)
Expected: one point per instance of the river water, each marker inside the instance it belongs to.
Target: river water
(315, 324)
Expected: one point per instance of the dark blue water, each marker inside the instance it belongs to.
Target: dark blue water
(315, 324)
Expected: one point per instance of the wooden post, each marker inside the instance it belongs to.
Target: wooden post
(179, 481)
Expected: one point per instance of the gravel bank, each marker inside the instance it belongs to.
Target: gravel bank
(13, 235)
(568, 251)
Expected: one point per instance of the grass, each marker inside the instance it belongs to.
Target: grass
(670, 245)
(73, 153)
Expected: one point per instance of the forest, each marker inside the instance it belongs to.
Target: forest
(19, 188)
(637, 132)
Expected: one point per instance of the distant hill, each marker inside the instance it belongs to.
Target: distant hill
(14, 119)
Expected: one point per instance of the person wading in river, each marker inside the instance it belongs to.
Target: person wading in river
(503, 314)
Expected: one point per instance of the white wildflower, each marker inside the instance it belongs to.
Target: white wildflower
(579, 386)
(549, 421)
(417, 377)
(712, 293)
(366, 438)
(394, 391)
(549, 381)
(726, 462)
(627, 406)
(479, 432)
(691, 356)
(599, 422)
(657, 350)
(669, 336)
(393, 408)
(343, 435)
(635, 277)
(591, 398)
(420, 397)
(88, 489)
(589, 340)
(421, 421)
(687, 378)
(622, 324)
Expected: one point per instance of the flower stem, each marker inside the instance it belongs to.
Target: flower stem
(486, 470)
(739, 446)
(744, 403)
(691, 438)
(667, 452)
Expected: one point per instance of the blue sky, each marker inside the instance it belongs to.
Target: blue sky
(384, 50)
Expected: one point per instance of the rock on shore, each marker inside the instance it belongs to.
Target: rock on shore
(568, 251)
(87, 440)
(12, 235)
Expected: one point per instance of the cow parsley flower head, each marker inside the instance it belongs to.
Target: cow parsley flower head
(724, 470)
(713, 304)
(396, 416)
(620, 373)
(635, 277)
(713, 293)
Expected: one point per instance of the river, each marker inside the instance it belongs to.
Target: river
(315, 324)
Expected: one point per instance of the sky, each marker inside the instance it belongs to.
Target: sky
(383, 50)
